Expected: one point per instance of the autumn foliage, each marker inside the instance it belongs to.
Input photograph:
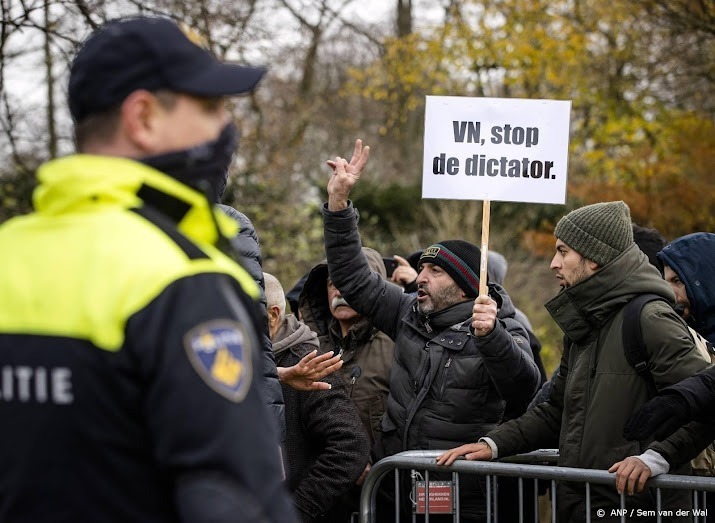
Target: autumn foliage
(640, 75)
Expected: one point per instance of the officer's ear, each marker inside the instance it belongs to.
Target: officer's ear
(142, 119)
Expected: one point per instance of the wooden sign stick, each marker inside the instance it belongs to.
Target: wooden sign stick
(485, 249)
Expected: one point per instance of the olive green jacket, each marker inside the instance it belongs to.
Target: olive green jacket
(596, 390)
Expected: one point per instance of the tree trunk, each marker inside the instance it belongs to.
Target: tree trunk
(404, 17)
(51, 130)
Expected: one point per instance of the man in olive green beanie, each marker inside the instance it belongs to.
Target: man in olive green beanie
(595, 390)
(599, 232)
(589, 238)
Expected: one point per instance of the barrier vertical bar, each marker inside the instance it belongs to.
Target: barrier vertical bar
(414, 515)
(397, 494)
(553, 501)
(426, 496)
(455, 480)
(521, 500)
(588, 502)
(489, 499)
(696, 506)
(372, 508)
(658, 505)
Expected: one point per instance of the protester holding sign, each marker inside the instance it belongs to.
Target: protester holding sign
(595, 390)
(458, 356)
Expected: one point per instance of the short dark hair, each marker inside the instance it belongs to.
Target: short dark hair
(650, 241)
(96, 128)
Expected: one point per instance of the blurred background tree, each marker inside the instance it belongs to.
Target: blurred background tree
(640, 74)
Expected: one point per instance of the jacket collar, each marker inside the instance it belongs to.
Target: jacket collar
(81, 182)
(360, 333)
(456, 314)
(589, 304)
(291, 333)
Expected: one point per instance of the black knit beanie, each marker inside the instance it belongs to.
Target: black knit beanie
(598, 232)
(460, 260)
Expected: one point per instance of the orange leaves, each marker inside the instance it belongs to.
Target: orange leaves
(666, 177)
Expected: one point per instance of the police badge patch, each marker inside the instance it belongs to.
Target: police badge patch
(220, 351)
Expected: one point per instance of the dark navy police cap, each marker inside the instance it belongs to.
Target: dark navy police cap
(148, 53)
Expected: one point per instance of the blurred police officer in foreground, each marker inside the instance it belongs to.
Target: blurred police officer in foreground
(128, 368)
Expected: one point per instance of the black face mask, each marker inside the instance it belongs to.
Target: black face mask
(206, 163)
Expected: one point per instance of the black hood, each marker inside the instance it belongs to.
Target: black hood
(313, 298)
(692, 258)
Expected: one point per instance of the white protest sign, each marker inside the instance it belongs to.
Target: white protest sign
(503, 149)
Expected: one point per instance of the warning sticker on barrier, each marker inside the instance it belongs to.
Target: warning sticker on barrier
(440, 497)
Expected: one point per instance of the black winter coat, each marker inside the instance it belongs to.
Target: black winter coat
(699, 392)
(246, 245)
(447, 386)
(326, 445)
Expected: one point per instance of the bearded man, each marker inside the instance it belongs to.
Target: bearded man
(458, 356)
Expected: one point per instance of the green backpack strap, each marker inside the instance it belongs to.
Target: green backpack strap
(633, 346)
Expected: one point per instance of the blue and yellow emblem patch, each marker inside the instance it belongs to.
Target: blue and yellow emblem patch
(220, 351)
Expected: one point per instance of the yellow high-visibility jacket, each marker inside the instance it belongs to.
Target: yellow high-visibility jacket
(127, 347)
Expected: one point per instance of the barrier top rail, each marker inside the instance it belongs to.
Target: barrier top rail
(425, 460)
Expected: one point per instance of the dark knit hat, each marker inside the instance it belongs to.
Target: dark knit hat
(460, 260)
(414, 259)
(598, 232)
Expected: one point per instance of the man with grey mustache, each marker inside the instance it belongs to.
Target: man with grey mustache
(366, 352)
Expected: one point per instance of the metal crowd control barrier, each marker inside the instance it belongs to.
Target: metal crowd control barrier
(522, 467)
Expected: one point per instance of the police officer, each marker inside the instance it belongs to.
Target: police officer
(128, 343)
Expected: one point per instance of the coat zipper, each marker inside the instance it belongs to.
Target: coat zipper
(444, 377)
(410, 414)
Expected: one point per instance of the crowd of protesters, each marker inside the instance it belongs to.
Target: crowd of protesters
(156, 379)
